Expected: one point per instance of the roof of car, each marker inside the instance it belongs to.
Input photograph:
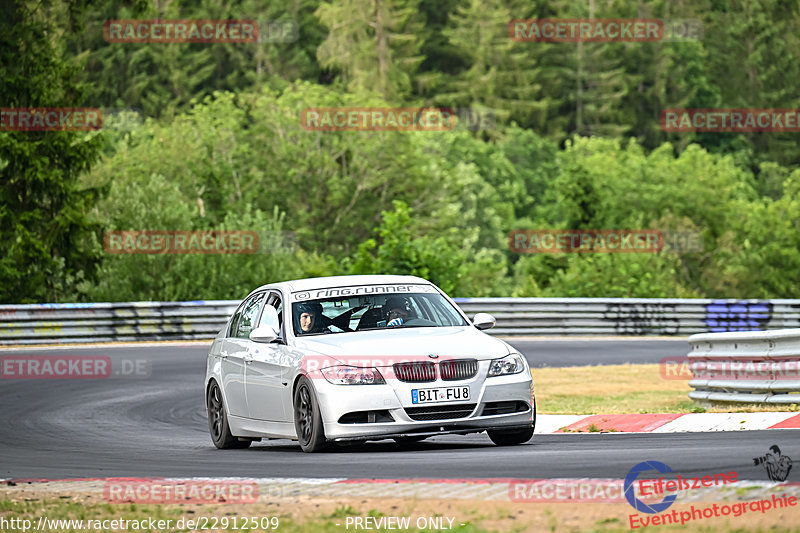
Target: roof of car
(310, 284)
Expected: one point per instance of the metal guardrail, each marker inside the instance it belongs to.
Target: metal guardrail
(105, 322)
(746, 367)
(131, 321)
(631, 316)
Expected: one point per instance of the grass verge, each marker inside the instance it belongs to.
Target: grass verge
(327, 516)
(620, 389)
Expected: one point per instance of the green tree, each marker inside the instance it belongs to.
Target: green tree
(162, 79)
(620, 276)
(499, 75)
(759, 254)
(587, 79)
(175, 277)
(754, 46)
(449, 260)
(373, 43)
(43, 226)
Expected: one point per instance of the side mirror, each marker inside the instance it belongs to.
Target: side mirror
(269, 317)
(264, 334)
(483, 321)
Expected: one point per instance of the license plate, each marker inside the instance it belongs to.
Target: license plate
(439, 395)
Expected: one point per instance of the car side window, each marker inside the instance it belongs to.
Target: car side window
(279, 308)
(274, 300)
(249, 313)
(235, 321)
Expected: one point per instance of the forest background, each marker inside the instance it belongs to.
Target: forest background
(208, 137)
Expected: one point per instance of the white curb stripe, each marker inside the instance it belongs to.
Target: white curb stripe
(701, 422)
(546, 424)
(691, 422)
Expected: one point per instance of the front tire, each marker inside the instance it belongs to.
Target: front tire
(307, 418)
(218, 421)
(510, 437)
(515, 436)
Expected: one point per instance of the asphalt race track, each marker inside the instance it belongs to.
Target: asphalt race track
(593, 351)
(156, 426)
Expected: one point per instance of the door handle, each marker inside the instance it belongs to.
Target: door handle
(248, 358)
(223, 355)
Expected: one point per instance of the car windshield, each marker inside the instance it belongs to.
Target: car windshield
(380, 311)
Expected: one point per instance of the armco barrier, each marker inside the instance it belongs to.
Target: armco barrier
(104, 322)
(631, 316)
(746, 367)
(100, 322)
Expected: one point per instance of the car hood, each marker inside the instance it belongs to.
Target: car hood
(409, 344)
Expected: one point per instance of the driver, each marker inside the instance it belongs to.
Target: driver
(310, 315)
(398, 310)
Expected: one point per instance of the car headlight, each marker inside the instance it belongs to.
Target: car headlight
(352, 375)
(510, 364)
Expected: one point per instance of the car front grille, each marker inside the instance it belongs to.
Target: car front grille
(440, 412)
(458, 369)
(423, 372)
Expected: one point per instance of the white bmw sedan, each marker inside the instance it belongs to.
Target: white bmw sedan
(355, 358)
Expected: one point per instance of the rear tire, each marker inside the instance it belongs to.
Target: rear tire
(218, 421)
(307, 418)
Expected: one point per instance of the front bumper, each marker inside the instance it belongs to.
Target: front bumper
(338, 403)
